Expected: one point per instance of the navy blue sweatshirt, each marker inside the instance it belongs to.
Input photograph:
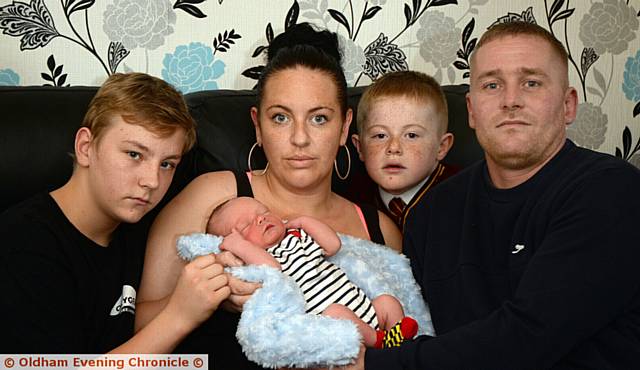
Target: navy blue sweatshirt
(541, 276)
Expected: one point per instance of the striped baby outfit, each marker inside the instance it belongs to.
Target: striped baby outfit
(322, 283)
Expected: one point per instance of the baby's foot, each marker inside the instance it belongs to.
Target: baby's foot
(404, 329)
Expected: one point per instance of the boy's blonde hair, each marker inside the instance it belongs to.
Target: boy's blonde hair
(142, 100)
(410, 84)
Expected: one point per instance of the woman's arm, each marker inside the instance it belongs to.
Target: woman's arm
(392, 236)
(186, 213)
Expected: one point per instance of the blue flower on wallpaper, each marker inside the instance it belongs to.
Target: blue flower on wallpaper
(192, 68)
(631, 83)
(9, 78)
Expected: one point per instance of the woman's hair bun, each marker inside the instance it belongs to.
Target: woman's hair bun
(304, 34)
(302, 45)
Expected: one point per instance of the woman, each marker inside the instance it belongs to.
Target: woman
(301, 120)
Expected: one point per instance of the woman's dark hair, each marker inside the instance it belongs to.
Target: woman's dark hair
(303, 45)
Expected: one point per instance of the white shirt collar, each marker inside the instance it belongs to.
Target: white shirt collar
(406, 196)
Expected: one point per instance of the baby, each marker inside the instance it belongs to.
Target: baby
(258, 237)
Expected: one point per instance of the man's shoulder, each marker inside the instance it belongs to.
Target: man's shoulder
(458, 180)
(452, 191)
(589, 181)
(586, 165)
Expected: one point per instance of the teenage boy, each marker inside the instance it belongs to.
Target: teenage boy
(69, 261)
(402, 139)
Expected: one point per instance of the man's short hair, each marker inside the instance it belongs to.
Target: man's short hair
(409, 84)
(521, 28)
(143, 100)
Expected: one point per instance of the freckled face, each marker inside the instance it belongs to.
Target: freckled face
(301, 125)
(400, 143)
(519, 101)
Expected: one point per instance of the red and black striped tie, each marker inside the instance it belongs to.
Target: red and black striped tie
(396, 206)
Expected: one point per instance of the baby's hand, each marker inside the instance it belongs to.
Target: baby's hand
(231, 241)
(296, 223)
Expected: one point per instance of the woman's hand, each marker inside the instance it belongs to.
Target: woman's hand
(241, 290)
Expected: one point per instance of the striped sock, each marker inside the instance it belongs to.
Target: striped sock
(401, 331)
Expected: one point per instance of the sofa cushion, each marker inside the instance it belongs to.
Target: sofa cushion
(37, 132)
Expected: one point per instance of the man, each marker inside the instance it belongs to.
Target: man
(70, 263)
(529, 259)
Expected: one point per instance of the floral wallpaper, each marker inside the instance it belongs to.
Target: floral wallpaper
(220, 44)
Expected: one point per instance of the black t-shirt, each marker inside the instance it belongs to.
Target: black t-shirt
(63, 293)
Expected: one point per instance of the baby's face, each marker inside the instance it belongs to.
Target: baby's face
(400, 143)
(252, 219)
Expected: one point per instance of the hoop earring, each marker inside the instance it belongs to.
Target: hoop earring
(335, 165)
(249, 161)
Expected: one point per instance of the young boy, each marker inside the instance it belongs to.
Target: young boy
(70, 264)
(298, 248)
(402, 137)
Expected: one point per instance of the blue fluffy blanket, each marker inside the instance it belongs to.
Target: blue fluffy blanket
(274, 329)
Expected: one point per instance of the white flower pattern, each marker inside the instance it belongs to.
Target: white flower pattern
(353, 58)
(439, 39)
(609, 26)
(590, 126)
(139, 23)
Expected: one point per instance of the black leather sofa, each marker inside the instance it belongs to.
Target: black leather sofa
(38, 124)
